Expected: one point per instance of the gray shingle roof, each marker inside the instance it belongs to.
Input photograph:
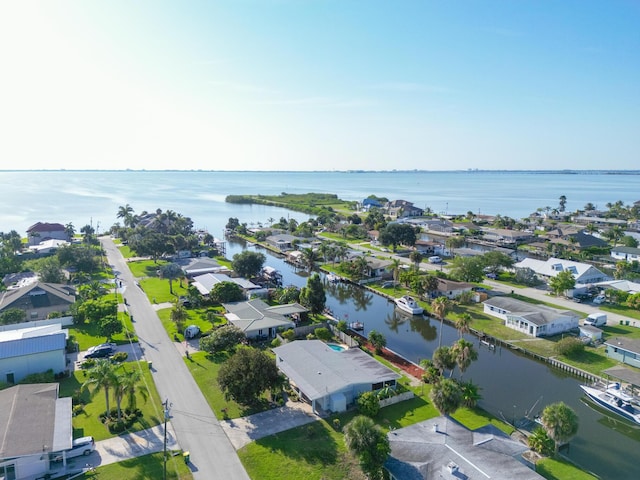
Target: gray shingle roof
(536, 314)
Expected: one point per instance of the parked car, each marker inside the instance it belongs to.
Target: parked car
(80, 446)
(100, 351)
(599, 299)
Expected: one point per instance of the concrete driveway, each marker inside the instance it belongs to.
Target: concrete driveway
(242, 431)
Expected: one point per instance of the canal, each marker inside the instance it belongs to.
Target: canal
(513, 386)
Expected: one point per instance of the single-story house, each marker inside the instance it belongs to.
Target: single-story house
(24, 351)
(38, 299)
(331, 380)
(40, 231)
(587, 219)
(531, 319)
(438, 225)
(427, 247)
(628, 254)
(34, 423)
(205, 283)
(583, 273)
(503, 235)
(622, 285)
(625, 350)
(451, 289)
(193, 267)
(282, 241)
(47, 247)
(376, 267)
(258, 320)
(369, 203)
(467, 252)
(441, 448)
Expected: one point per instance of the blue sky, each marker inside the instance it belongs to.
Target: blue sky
(320, 85)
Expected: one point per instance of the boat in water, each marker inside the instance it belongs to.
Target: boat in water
(409, 305)
(356, 326)
(614, 399)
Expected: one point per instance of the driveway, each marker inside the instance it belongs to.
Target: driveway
(242, 431)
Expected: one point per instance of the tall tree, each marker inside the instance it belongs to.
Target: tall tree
(464, 353)
(248, 264)
(446, 396)
(560, 422)
(313, 295)
(439, 307)
(247, 374)
(416, 257)
(171, 271)
(102, 376)
(377, 340)
(369, 443)
(463, 323)
(562, 282)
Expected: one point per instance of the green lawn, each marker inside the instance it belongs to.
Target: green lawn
(157, 289)
(88, 422)
(86, 334)
(555, 469)
(196, 316)
(145, 268)
(204, 369)
(142, 468)
(126, 251)
(623, 310)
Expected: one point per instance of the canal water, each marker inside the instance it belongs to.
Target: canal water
(513, 386)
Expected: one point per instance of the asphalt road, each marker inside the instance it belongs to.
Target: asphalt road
(197, 429)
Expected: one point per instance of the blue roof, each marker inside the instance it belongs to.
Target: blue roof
(32, 345)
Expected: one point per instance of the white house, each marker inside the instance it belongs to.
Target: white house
(583, 273)
(47, 247)
(531, 319)
(30, 350)
(258, 320)
(205, 283)
(34, 423)
(628, 254)
(330, 379)
(40, 231)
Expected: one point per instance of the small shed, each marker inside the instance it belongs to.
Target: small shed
(588, 331)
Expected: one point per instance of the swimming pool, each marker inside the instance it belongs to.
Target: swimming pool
(336, 347)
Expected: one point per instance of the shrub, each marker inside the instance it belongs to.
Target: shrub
(289, 335)
(336, 424)
(77, 409)
(42, 377)
(342, 325)
(88, 364)
(323, 334)
(276, 342)
(368, 404)
(569, 346)
(120, 357)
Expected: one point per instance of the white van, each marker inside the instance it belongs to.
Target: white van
(435, 259)
(80, 446)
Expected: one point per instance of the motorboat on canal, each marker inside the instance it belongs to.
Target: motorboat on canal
(409, 305)
(614, 399)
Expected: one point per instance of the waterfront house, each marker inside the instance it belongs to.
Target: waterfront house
(34, 423)
(402, 209)
(38, 299)
(205, 283)
(260, 321)
(192, 267)
(47, 247)
(329, 379)
(451, 289)
(583, 273)
(624, 350)
(628, 254)
(369, 203)
(438, 225)
(504, 236)
(39, 232)
(532, 319)
(282, 241)
(441, 448)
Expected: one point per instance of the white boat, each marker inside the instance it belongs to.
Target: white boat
(409, 305)
(332, 278)
(615, 400)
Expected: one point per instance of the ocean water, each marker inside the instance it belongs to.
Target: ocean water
(93, 197)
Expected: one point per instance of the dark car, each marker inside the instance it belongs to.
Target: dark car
(100, 351)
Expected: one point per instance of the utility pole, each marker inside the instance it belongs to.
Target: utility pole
(166, 406)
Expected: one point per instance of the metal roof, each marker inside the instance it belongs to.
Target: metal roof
(318, 370)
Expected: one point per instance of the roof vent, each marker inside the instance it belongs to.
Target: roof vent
(452, 467)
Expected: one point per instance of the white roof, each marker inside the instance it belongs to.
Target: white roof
(204, 283)
(623, 285)
(552, 266)
(318, 370)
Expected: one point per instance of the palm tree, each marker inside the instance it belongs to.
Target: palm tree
(540, 442)
(130, 381)
(178, 313)
(560, 422)
(416, 258)
(464, 353)
(171, 271)
(395, 270)
(309, 258)
(439, 308)
(126, 214)
(462, 323)
(443, 359)
(446, 396)
(69, 230)
(102, 375)
(369, 443)
(470, 394)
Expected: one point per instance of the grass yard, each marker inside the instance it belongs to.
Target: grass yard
(88, 421)
(204, 369)
(554, 469)
(145, 268)
(157, 289)
(142, 468)
(592, 360)
(194, 317)
(313, 452)
(86, 334)
(623, 310)
(126, 251)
